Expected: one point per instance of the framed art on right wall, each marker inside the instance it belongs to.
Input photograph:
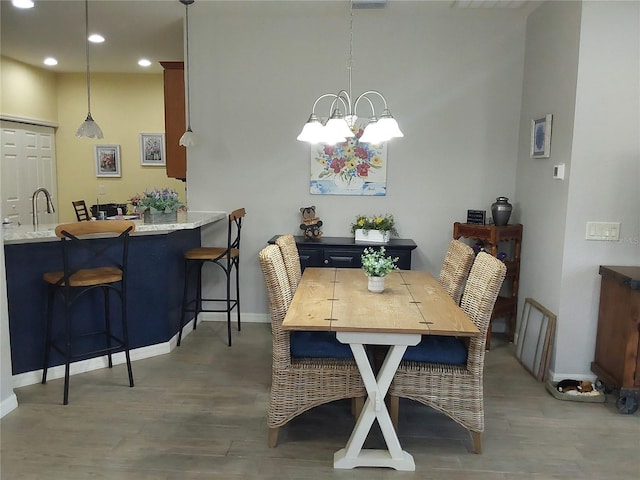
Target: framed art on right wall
(541, 137)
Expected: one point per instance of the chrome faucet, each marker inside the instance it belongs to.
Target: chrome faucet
(34, 204)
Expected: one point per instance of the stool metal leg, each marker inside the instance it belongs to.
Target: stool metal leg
(47, 345)
(227, 271)
(125, 334)
(198, 306)
(185, 291)
(107, 322)
(237, 264)
(67, 346)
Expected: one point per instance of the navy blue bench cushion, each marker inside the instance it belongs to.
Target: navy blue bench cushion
(317, 345)
(438, 349)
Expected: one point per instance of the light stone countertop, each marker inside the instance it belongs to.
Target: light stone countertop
(16, 234)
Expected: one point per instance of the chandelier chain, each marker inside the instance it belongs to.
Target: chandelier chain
(350, 60)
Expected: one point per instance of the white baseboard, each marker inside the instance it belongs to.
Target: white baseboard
(244, 318)
(35, 376)
(9, 404)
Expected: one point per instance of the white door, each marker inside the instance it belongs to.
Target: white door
(28, 163)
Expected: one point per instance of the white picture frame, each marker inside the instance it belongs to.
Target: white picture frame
(152, 150)
(534, 342)
(541, 137)
(107, 160)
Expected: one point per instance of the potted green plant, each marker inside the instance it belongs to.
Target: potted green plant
(377, 265)
(159, 205)
(374, 229)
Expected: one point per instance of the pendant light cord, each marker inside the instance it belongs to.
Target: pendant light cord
(350, 60)
(86, 42)
(188, 87)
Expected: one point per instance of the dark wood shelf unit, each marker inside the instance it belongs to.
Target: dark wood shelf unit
(346, 252)
(491, 236)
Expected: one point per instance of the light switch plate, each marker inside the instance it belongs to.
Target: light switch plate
(558, 171)
(607, 231)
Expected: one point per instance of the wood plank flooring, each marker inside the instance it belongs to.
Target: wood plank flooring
(199, 413)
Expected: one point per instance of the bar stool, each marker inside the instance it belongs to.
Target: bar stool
(90, 265)
(228, 259)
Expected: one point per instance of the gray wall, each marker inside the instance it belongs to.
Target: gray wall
(582, 65)
(605, 175)
(452, 77)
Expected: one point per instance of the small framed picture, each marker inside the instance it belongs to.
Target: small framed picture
(541, 137)
(107, 160)
(152, 150)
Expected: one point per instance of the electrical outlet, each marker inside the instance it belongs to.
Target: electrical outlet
(101, 190)
(608, 231)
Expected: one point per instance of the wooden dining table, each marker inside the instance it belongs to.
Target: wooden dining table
(412, 304)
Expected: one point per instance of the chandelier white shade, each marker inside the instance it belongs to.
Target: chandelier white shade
(89, 127)
(342, 114)
(339, 127)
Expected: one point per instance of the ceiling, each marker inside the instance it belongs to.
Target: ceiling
(133, 29)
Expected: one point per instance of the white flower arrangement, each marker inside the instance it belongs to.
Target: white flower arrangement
(376, 264)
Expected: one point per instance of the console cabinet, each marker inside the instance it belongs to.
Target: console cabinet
(490, 235)
(174, 119)
(345, 252)
(617, 355)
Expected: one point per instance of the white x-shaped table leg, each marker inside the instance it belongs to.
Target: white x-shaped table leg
(374, 408)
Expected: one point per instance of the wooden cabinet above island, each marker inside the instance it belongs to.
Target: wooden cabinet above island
(175, 122)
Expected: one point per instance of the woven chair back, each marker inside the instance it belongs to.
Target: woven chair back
(480, 293)
(289, 251)
(455, 268)
(279, 294)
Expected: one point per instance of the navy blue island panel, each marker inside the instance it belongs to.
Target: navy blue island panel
(154, 294)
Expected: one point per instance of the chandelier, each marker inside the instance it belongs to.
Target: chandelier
(339, 126)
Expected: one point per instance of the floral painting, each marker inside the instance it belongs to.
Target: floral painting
(152, 149)
(349, 168)
(107, 159)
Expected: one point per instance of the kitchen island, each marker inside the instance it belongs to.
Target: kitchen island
(154, 284)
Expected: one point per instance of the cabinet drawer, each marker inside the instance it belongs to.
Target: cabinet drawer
(342, 258)
(310, 257)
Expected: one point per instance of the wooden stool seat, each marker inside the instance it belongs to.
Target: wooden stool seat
(210, 253)
(86, 277)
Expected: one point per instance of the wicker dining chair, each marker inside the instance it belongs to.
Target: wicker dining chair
(455, 268)
(297, 383)
(289, 251)
(456, 390)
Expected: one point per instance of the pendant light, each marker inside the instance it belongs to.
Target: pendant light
(89, 127)
(188, 139)
(340, 126)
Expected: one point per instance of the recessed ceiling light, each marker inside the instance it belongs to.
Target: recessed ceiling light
(96, 38)
(22, 3)
(50, 61)
(143, 62)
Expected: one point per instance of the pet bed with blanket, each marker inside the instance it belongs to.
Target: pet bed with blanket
(575, 391)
